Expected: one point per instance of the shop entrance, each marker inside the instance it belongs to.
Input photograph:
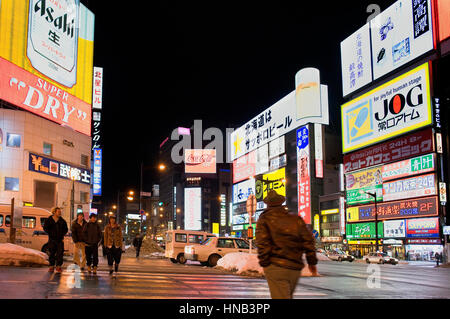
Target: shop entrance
(396, 251)
(422, 252)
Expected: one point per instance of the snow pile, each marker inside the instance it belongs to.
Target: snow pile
(247, 264)
(148, 247)
(14, 255)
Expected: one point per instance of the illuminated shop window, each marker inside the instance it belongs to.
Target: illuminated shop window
(28, 222)
(11, 184)
(13, 140)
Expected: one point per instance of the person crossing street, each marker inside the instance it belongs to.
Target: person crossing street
(92, 235)
(113, 244)
(56, 228)
(77, 237)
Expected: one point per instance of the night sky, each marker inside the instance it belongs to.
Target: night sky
(167, 63)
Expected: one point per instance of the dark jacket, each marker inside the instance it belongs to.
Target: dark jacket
(137, 242)
(77, 231)
(92, 234)
(55, 230)
(282, 238)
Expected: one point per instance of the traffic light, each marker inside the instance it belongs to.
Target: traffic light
(250, 232)
(161, 204)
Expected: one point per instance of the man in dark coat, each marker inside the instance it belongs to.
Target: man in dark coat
(137, 243)
(77, 237)
(92, 235)
(56, 228)
(282, 238)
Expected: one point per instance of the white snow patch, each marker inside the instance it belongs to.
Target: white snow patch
(244, 263)
(14, 255)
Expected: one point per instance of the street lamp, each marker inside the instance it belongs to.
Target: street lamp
(374, 195)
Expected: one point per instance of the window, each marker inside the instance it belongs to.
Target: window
(242, 244)
(47, 149)
(225, 243)
(196, 239)
(180, 238)
(8, 220)
(84, 160)
(11, 184)
(84, 197)
(168, 238)
(43, 221)
(1, 220)
(28, 222)
(13, 140)
(44, 194)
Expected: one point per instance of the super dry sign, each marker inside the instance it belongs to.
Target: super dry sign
(420, 207)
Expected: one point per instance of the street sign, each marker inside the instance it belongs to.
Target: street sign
(142, 212)
(315, 233)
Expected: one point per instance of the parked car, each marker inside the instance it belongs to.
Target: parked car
(339, 255)
(380, 258)
(214, 248)
(177, 239)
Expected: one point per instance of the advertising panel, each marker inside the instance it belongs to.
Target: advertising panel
(97, 88)
(277, 162)
(364, 230)
(274, 122)
(413, 166)
(401, 33)
(51, 167)
(409, 208)
(444, 22)
(422, 228)
(396, 107)
(424, 185)
(303, 174)
(396, 150)
(356, 65)
(318, 149)
(96, 130)
(97, 178)
(274, 181)
(223, 210)
(262, 159)
(201, 161)
(243, 190)
(276, 147)
(307, 94)
(53, 41)
(362, 182)
(192, 208)
(244, 167)
(394, 228)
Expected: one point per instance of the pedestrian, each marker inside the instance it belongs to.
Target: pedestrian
(92, 235)
(137, 243)
(56, 228)
(436, 256)
(407, 255)
(113, 244)
(77, 237)
(282, 238)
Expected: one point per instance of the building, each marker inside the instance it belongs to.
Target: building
(38, 159)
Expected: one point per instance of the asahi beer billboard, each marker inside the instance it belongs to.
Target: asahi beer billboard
(46, 58)
(394, 108)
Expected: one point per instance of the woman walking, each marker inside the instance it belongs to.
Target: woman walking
(113, 244)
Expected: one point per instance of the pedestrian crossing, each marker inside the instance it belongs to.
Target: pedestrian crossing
(128, 284)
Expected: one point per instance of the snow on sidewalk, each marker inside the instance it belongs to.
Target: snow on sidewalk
(14, 255)
(247, 264)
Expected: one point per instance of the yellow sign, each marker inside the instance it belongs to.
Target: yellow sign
(317, 222)
(275, 181)
(352, 214)
(364, 178)
(215, 228)
(330, 211)
(18, 30)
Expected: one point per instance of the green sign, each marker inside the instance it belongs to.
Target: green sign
(364, 230)
(422, 162)
(360, 196)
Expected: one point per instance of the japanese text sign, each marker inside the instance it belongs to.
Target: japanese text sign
(303, 174)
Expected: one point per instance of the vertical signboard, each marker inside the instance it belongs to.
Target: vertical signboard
(97, 179)
(318, 150)
(223, 210)
(303, 174)
(192, 208)
(355, 61)
(97, 88)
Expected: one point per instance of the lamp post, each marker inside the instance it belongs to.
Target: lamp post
(374, 195)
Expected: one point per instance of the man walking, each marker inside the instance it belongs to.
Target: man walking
(282, 237)
(92, 235)
(56, 228)
(77, 237)
(137, 243)
(113, 244)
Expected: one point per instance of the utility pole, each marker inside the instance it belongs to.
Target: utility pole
(12, 232)
(374, 195)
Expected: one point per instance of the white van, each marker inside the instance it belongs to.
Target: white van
(176, 240)
(32, 234)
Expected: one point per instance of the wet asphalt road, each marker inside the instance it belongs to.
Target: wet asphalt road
(160, 279)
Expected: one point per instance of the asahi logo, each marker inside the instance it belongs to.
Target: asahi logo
(53, 38)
